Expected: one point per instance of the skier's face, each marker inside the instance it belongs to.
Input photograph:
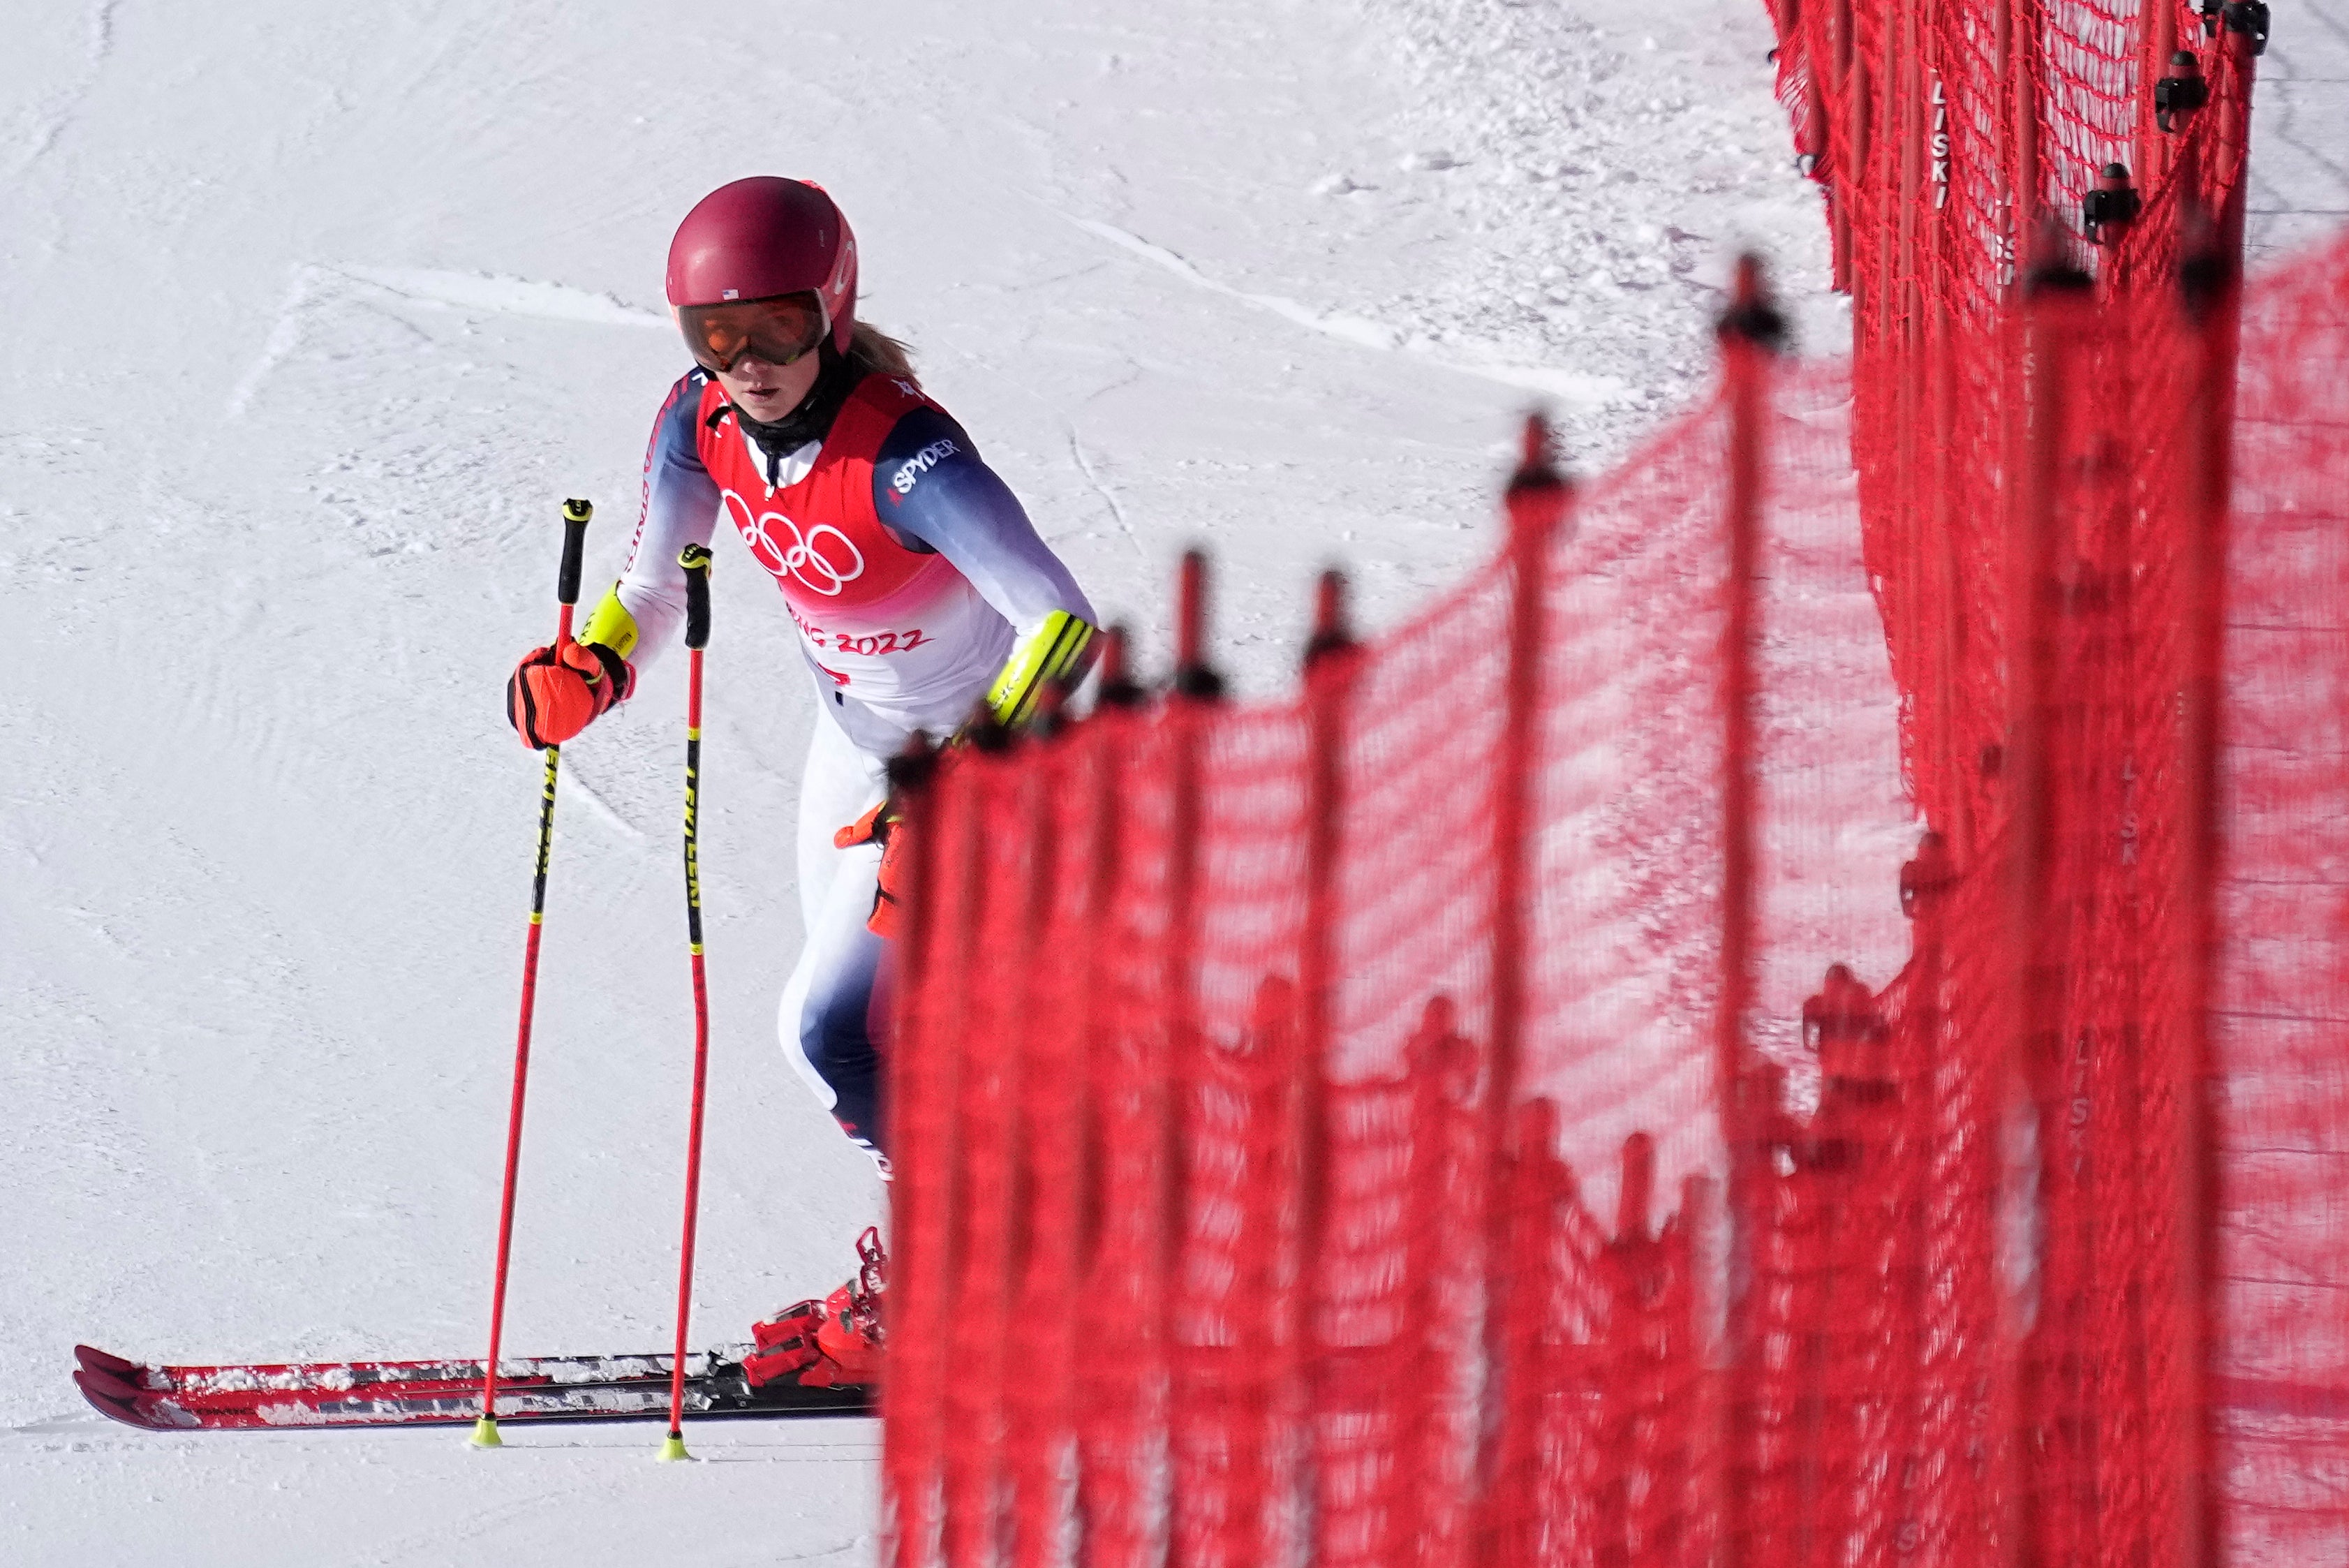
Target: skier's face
(767, 392)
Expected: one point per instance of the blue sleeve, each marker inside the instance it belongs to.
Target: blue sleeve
(933, 491)
(681, 507)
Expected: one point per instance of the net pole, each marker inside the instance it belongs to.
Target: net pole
(2213, 301)
(911, 1394)
(2021, 69)
(1904, 327)
(1046, 1146)
(999, 773)
(1111, 1364)
(2039, 1511)
(1842, 173)
(2157, 40)
(1949, 789)
(1177, 1046)
(1331, 661)
(2009, 216)
(1535, 504)
(2231, 144)
(1748, 334)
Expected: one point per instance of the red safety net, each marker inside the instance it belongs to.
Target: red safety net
(2041, 434)
(1541, 1094)
(1248, 1055)
(1268, 1189)
(2280, 1005)
(1926, 122)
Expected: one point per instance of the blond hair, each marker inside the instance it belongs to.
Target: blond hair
(872, 349)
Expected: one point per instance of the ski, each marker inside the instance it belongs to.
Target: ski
(443, 1393)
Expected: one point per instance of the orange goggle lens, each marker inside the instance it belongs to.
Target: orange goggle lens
(777, 330)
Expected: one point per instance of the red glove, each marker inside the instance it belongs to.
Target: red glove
(885, 827)
(888, 917)
(555, 693)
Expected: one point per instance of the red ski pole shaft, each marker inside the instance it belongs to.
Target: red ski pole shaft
(575, 514)
(694, 559)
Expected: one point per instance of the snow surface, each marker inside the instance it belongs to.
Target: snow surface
(314, 313)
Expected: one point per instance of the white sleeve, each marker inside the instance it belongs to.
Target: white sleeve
(680, 508)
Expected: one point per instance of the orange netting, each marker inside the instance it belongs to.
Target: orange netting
(1419, 1122)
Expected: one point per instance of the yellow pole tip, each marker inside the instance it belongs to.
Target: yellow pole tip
(485, 1434)
(673, 1448)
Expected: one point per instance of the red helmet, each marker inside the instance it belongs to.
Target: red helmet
(765, 236)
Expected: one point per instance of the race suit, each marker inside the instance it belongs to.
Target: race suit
(917, 584)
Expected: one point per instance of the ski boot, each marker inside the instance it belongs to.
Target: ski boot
(834, 1342)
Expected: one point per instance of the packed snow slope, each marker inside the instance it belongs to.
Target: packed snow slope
(313, 316)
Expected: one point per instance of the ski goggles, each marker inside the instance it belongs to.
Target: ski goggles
(777, 330)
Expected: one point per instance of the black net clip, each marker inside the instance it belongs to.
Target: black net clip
(1932, 873)
(2179, 93)
(1758, 321)
(2112, 204)
(2250, 18)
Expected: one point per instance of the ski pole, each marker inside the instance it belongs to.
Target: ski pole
(694, 559)
(575, 514)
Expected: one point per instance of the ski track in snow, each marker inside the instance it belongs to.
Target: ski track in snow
(1108, 496)
(1589, 392)
(306, 356)
(284, 337)
(494, 295)
(472, 292)
(573, 786)
(53, 120)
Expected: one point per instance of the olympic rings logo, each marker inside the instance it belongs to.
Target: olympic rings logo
(806, 557)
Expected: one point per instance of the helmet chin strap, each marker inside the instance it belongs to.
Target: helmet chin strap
(810, 421)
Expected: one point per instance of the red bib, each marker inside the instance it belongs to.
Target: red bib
(820, 537)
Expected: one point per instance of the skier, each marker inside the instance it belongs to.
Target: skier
(917, 586)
